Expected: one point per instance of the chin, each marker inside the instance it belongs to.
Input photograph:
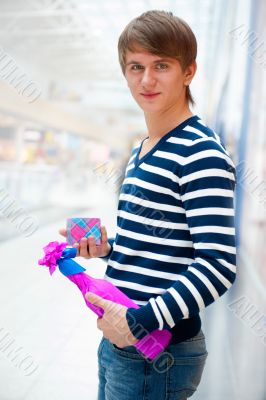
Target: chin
(150, 108)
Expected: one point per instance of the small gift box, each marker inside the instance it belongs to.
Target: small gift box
(78, 228)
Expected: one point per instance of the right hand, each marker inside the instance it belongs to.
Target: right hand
(87, 247)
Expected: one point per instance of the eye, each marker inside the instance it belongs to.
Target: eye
(162, 66)
(136, 67)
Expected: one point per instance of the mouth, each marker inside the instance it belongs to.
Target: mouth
(149, 95)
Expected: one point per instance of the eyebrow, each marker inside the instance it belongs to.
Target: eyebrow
(154, 62)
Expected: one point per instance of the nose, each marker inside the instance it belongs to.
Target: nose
(148, 79)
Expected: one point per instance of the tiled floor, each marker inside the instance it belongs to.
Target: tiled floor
(47, 318)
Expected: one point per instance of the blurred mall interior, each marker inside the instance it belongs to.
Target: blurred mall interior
(67, 126)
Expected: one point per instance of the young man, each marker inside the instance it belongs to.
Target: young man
(174, 251)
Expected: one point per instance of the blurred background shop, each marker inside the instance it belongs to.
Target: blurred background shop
(67, 127)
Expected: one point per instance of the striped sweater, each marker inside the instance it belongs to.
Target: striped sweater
(174, 252)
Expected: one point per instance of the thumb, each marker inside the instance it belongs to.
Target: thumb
(97, 300)
(63, 232)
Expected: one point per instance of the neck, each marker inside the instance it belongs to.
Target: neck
(159, 124)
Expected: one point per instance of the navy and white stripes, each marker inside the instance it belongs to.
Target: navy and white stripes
(174, 252)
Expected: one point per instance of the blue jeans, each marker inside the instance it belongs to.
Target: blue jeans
(125, 374)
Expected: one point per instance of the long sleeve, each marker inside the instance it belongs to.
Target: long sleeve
(206, 187)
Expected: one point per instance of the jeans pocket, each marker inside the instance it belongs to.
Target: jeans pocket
(184, 375)
(128, 352)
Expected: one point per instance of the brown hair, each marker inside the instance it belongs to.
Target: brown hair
(160, 33)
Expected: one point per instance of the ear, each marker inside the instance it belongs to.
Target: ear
(190, 72)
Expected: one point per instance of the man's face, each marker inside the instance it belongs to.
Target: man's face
(155, 82)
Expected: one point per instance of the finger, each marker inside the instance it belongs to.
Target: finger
(92, 246)
(98, 301)
(63, 232)
(104, 237)
(99, 324)
(83, 250)
(76, 246)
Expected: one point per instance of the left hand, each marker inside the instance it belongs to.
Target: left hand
(113, 323)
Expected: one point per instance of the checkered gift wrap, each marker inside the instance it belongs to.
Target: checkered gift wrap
(80, 227)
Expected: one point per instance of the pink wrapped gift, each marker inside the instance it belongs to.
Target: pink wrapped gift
(78, 228)
(58, 254)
